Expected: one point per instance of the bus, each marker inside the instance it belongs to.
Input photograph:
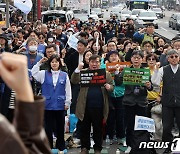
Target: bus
(138, 4)
(105, 4)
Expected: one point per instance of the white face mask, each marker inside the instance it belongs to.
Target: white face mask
(33, 48)
(50, 39)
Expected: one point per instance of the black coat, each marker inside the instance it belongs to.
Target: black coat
(72, 62)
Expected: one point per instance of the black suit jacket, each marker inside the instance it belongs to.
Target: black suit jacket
(72, 62)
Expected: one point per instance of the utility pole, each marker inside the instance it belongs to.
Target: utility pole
(7, 13)
(38, 9)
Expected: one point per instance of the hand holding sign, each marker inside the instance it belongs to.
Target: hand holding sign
(117, 67)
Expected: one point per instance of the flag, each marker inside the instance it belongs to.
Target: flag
(72, 42)
(24, 5)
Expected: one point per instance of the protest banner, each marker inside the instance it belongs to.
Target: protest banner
(111, 67)
(72, 42)
(93, 78)
(144, 123)
(136, 76)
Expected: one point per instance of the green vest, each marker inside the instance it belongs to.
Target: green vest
(148, 38)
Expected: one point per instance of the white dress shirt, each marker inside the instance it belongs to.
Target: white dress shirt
(158, 74)
(80, 58)
(40, 76)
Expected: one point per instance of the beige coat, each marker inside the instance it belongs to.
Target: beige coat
(81, 102)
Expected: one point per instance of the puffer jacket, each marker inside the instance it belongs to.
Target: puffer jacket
(27, 135)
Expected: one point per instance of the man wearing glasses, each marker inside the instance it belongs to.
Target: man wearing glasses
(170, 75)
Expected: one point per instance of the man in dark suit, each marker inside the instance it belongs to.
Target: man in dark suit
(73, 60)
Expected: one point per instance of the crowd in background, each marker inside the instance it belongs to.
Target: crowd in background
(54, 68)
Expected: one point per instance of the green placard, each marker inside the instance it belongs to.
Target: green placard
(135, 76)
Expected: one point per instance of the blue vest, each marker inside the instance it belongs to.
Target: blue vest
(32, 63)
(55, 96)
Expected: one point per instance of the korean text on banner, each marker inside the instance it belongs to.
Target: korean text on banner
(144, 123)
(111, 67)
(136, 76)
(93, 78)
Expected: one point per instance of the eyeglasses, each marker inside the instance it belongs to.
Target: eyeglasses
(41, 37)
(151, 59)
(135, 57)
(147, 46)
(94, 62)
(174, 56)
(49, 51)
(150, 27)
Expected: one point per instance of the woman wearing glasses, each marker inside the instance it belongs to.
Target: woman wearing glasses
(154, 98)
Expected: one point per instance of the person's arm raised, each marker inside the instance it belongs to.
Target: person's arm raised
(14, 72)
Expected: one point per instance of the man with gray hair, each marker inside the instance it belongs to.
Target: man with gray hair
(60, 36)
(170, 76)
(44, 28)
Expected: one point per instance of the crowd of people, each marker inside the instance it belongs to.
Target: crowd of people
(54, 68)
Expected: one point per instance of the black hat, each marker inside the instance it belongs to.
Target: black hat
(4, 37)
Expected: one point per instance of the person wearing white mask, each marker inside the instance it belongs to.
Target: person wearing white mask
(69, 32)
(31, 51)
(32, 55)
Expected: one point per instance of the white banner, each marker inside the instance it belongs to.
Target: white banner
(72, 42)
(144, 123)
(24, 5)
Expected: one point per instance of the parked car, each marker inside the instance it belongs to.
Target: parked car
(174, 21)
(159, 12)
(135, 13)
(125, 14)
(50, 15)
(145, 17)
(94, 16)
(97, 11)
